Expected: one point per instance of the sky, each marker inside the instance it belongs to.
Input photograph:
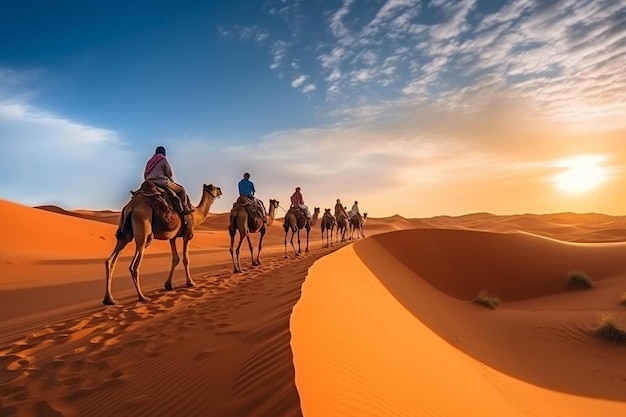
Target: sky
(412, 107)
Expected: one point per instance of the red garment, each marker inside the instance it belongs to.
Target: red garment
(296, 199)
(156, 158)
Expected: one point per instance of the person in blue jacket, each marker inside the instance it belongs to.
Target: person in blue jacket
(246, 189)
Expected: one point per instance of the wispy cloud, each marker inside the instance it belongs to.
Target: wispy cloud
(565, 57)
(245, 33)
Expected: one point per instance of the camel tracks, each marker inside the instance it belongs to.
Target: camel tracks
(68, 368)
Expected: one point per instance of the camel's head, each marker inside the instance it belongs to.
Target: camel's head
(274, 203)
(327, 212)
(214, 191)
(316, 210)
(365, 215)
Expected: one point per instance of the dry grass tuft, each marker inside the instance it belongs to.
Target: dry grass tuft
(611, 328)
(579, 280)
(487, 300)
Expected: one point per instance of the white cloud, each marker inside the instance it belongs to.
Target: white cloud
(298, 81)
(279, 52)
(336, 22)
(334, 58)
(54, 159)
(309, 88)
(335, 75)
(362, 75)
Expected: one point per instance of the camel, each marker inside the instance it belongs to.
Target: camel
(328, 224)
(147, 216)
(245, 222)
(356, 224)
(295, 220)
(342, 227)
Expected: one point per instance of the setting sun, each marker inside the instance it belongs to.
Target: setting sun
(581, 174)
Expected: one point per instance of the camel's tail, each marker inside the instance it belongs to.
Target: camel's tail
(287, 225)
(125, 226)
(232, 225)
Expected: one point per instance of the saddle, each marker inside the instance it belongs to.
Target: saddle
(299, 213)
(164, 199)
(250, 205)
(168, 197)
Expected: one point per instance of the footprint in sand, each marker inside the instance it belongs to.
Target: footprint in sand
(152, 350)
(43, 408)
(103, 354)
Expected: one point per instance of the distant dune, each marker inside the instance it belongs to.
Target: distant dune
(381, 326)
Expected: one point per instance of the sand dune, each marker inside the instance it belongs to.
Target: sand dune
(379, 333)
(381, 327)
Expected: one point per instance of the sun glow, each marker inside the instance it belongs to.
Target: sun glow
(581, 174)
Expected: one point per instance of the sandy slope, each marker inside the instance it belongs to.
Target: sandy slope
(386, 328)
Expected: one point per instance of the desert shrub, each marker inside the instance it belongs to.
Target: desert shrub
(487, 300)
(610, 328)
(579, 280)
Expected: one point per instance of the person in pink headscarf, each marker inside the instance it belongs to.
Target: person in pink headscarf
(159, 171)
(297, 200)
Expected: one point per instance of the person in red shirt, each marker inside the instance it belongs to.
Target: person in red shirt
(297, 200)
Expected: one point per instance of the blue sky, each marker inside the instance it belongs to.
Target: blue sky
(416, 107)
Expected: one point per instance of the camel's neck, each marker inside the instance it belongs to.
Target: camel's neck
(202, 210)
(270, 215)
(313, 220)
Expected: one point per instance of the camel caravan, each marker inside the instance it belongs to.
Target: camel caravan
(160, 209)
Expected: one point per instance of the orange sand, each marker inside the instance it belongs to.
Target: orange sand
(382, 327)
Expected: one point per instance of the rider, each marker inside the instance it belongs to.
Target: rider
(159, 171)
(339, 209)
(354, 210)
(297, 201)
(246, 189)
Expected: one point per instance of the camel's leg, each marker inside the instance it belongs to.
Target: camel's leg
(175, 261)
(140, 243)
(258, 254)
(110, 267)
(190, 282)
(232, 232)
(242, 236)
(293, 232)
(286, 233)
(307, 240)
(299, 248)
(251, 250)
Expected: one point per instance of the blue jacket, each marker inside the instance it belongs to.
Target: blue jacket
(246, 188)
